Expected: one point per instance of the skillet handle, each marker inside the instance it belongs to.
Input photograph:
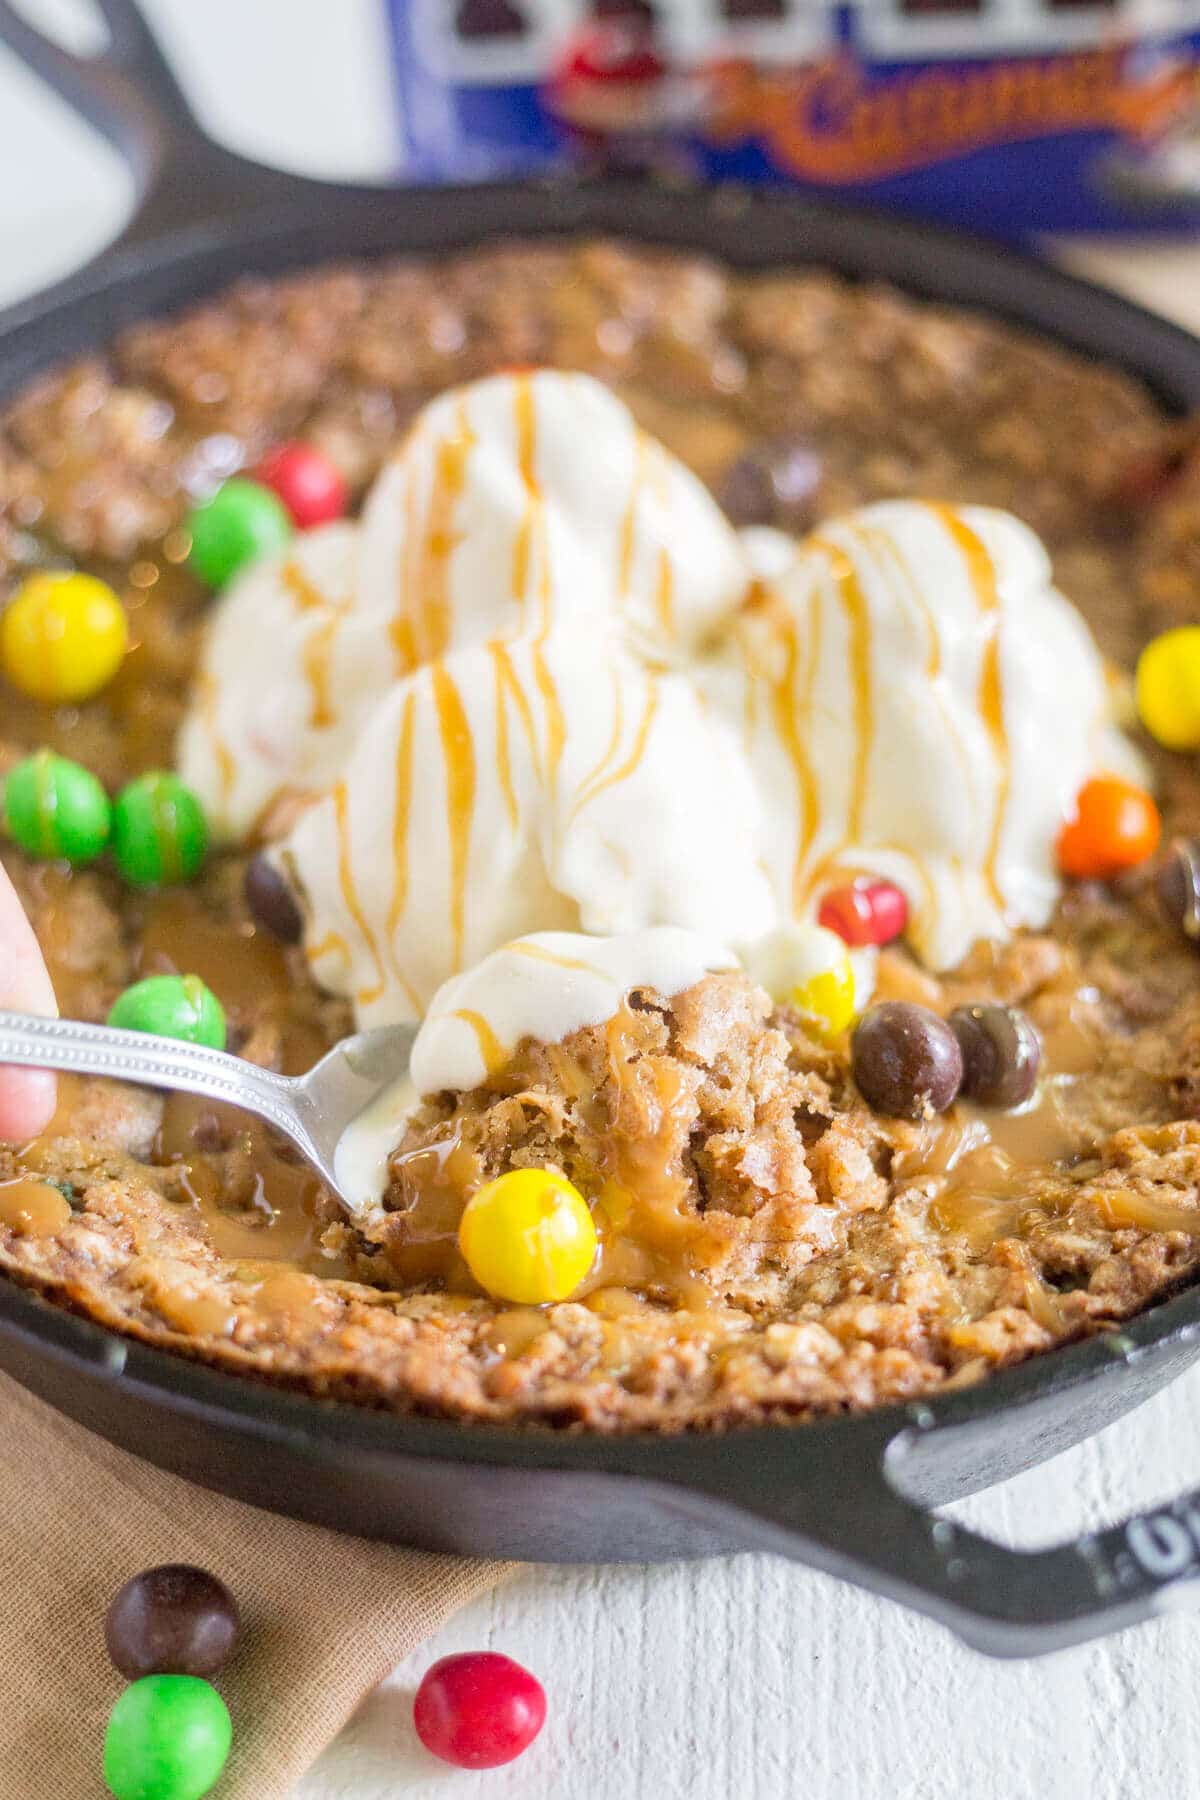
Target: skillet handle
(129, 93)
(1001, 1601)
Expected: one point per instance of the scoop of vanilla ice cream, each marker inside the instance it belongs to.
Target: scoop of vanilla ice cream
(290, 665)
(527, 499)
(514, 505)
(545, 686)
(557, 785)
(545, 987)
(918, 702)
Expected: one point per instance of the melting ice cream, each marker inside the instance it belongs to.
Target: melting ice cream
(546, 687)
(919, 702)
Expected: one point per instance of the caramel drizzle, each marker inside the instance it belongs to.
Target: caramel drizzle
(306, 595)
(556, 729)
(491, 1050)
(317, 658)
(403, 636)
(425, 576)
(982, 572)
(405, 646)
(854, 605)
(664, 592)
(537, 953)
(610, 749)
(458, 755)
(401, 817)
(508, 682)
(626, 769)
(526, 445)
(629, 520)
(317, 654)
(209, 708)
(886, 550)
(332, 944)
(341, 814)
(503, 758)
(531, 533)
(786, 713)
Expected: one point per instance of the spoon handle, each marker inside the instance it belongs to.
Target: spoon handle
(78, 1048)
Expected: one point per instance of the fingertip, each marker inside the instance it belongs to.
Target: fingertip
(28, 1098)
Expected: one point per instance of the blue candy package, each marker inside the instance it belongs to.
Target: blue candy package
(1008, 116)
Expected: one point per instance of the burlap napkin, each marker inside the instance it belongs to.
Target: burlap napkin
(325, 1617)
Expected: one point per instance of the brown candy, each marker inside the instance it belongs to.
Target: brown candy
(773, 484)
(173, 1620)
(271, 900)
(1179, 886)
(906, 1060)
(1001, 1054)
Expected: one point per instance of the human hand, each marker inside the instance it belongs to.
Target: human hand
(27, 1096)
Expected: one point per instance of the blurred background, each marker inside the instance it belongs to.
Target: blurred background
(367, 89)
(306, 84)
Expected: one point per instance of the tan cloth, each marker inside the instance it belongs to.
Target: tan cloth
(325, 1617)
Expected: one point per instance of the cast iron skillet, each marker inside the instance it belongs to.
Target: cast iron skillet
(848, 1495)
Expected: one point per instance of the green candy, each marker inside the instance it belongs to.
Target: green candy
(168, 1738)
(242, 522)
(159, 832)
(55, 807)
(175, 1006)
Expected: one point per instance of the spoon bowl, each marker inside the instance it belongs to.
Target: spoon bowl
(363, 1074)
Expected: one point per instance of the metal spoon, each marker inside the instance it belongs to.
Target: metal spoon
(313, 1110)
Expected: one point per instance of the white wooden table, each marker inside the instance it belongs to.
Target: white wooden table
(742, 1676)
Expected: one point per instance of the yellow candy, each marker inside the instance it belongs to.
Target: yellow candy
(528, 1237)
(62, 637)
(822, 979)
(1168, 688)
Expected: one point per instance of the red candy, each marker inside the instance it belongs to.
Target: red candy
(865, 912)
(306, 481)
(478, 1710)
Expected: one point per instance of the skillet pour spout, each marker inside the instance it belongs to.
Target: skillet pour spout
(851, 1495)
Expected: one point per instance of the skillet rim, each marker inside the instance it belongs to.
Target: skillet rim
(1167, 361)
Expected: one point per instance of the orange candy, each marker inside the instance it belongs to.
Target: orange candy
(1116, 825)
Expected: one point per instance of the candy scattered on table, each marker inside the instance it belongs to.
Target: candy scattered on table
(479, 1709)
(821, 984)
(160, 835)
(175, 1006)
(243, 521)
(271, 901)
(168, 1738)
(1116, 826)
(864, 912)
(62, 637)
(528, 1237)
(1001, 1054)
(1168, 688)
(906, 1060)
(309, 484)
(1179, 886)
(172, 1620)
(56, 808)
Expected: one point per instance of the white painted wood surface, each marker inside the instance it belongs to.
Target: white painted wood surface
(747, 1677)
(742, 1676)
